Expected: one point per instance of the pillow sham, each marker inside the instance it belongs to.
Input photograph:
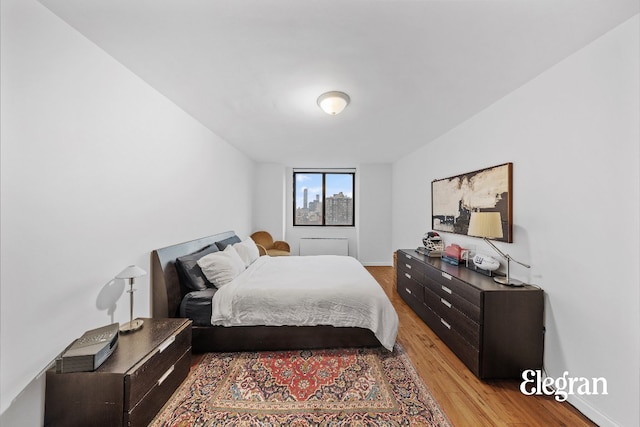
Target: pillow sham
(196, 306)
(222, 244)
(222, 267)
(247, 250)
(189, 271)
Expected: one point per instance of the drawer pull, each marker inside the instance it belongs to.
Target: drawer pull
(408, 275)
(408, 256)
(446, 276)
(445, 302)
(444, 288)
(445, 323)
(408, 266)
(166, 375)
(408, 290)
(167, 343)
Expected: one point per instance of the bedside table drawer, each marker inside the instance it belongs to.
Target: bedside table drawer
(149, 406)
(146, 375)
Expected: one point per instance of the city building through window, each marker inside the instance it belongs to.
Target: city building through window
(323, 198)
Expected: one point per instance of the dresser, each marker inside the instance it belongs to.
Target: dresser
(131, 386)
(497, 331)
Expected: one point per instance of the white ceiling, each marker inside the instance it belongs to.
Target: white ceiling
(251, 71)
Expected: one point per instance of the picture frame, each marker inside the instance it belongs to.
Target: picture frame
(484, 190)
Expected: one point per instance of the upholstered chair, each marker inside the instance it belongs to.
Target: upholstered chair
(267, 246)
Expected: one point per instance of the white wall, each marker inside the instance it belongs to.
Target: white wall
(269, 199)
(97, 170)
(374, 214)
(573, 137)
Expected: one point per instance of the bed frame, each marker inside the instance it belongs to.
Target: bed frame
(167, 294)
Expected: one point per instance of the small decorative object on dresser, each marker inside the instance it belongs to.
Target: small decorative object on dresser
(496, 331)
(488, 226)
(484, 262)
(433, 244)
(453, 254)
(130, 387)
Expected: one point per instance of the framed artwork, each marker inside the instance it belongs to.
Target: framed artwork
(486, 190)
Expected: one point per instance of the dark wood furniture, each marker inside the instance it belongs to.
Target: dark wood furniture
(131, 386)
(167, 293)
(496, 330)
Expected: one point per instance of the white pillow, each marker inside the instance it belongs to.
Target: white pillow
(248, 251)
(222, 267)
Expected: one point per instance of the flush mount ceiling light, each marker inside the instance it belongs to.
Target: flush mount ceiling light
(333, 102)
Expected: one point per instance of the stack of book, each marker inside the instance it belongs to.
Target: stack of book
(452, 254)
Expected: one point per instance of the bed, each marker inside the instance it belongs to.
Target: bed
(260, 282)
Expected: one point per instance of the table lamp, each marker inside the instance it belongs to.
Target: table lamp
(488, 225)
(131, 273)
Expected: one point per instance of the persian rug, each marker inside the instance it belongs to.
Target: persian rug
(336, 387)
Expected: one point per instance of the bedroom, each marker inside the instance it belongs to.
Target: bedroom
(92, 156)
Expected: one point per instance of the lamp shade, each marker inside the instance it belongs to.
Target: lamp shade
(485, 224)
(333, 102)
(131, 272)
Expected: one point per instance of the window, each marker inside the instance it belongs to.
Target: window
(323, 198)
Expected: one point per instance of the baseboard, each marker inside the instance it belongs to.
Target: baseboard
(590, 412)
(377, 264)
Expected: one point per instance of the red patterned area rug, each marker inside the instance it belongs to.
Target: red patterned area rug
(339, 387)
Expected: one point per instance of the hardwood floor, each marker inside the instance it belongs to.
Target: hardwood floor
(466, 400)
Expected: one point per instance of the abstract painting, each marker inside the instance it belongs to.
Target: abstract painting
(485, 190)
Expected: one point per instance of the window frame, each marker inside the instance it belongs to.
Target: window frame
(324, 174)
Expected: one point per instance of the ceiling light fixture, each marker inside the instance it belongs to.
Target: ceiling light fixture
(333, 102)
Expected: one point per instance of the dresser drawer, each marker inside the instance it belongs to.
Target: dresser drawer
(151, 403)
(451, 293)
(409, 265)
(451, 316)
(408, 286)
(149, 371)
(454, 285)
(469, 355)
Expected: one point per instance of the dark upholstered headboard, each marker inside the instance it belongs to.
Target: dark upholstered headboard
(166, 293)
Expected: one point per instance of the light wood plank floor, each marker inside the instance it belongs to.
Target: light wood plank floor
(466, 400)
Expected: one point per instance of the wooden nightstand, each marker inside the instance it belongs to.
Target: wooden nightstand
(131, 386)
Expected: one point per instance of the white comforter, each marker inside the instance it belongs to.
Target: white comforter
(307, 291)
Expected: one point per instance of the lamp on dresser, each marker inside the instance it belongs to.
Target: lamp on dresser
(130, 273)
(488, 225)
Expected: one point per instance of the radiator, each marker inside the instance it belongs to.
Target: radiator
(324, 246)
